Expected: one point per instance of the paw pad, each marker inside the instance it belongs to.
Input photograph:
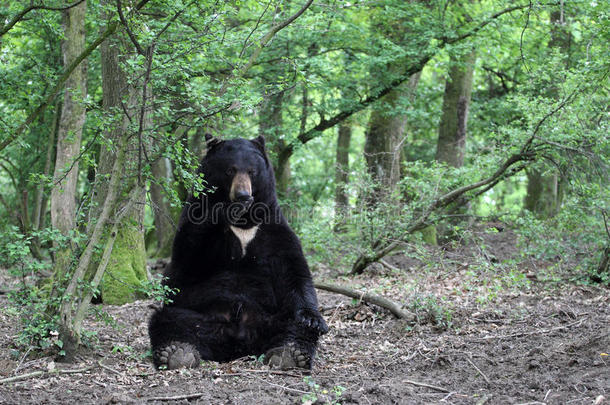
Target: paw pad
(176, 355)
(287, 356)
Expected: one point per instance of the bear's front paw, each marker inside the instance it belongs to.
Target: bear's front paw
(176, 355)
(311, 319)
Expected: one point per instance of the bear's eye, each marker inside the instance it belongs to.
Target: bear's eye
(230, 171)
(251, 172)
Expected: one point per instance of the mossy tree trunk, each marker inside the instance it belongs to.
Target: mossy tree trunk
(127, 263)
(69, 133)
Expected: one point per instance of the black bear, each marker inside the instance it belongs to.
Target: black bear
(244, 284)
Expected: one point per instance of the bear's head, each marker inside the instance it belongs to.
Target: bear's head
(238, 172)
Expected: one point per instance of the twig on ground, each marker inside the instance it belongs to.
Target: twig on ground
(22, 359)
(389, 266)
(108, 368)
(536, 332)
(478, 369)
(40, 373)
(484, 400)
(383, 302)
(276, 372)
(419, 384)
(282, 386)
(176, 397)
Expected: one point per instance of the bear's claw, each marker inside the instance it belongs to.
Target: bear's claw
(287, 356)
(177, 355)
(312, 320)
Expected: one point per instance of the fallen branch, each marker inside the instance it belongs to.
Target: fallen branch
(40, 373)
(392, 306)
(419, 384)
(177, 397)
(105, 367)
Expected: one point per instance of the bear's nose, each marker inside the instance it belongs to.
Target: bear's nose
(242, 196)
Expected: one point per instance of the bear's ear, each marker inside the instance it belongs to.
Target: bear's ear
(259, 142)
(210, 141)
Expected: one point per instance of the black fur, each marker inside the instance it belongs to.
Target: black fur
(232, 304)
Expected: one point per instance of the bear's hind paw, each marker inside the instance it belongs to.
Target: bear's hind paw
(176, 355)
(287, 357)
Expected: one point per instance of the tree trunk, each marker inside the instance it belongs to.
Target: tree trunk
(383, 142)
(452, 128)
(163, 218)
(63, 194)
(544, 191)
(454, 119)
(127, 263)
(344, 137)
(270, 126)
(40, 200)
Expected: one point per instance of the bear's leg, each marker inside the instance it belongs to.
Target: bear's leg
(181, 338)
(294, 348)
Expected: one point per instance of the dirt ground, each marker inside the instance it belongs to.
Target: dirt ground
(513, 334)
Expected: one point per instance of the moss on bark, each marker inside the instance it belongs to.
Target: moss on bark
(126, 268)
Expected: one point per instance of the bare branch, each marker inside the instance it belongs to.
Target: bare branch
(130, 34)
(325, 124)
(274, 30)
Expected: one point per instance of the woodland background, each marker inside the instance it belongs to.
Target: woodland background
(395, 128)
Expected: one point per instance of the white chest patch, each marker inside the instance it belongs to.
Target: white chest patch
(245, 236)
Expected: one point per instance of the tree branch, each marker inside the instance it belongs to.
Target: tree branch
(526, 153)
(324, 124)
(380, 301)
(17, 17)
(62, 80)
(482, 24)
(110, 29)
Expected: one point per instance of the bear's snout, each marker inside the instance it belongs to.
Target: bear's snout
(241, 188)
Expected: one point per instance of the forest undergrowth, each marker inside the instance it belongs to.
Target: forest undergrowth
(492, 326)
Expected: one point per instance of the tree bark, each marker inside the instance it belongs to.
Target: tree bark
(383, 142)
(63, 195)
(454, 118)
(127, 263)
(70, 129)
(344, 137)
(453, 125)
(163, 219)
(270, 126)
(544, 191)
(40, 200)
